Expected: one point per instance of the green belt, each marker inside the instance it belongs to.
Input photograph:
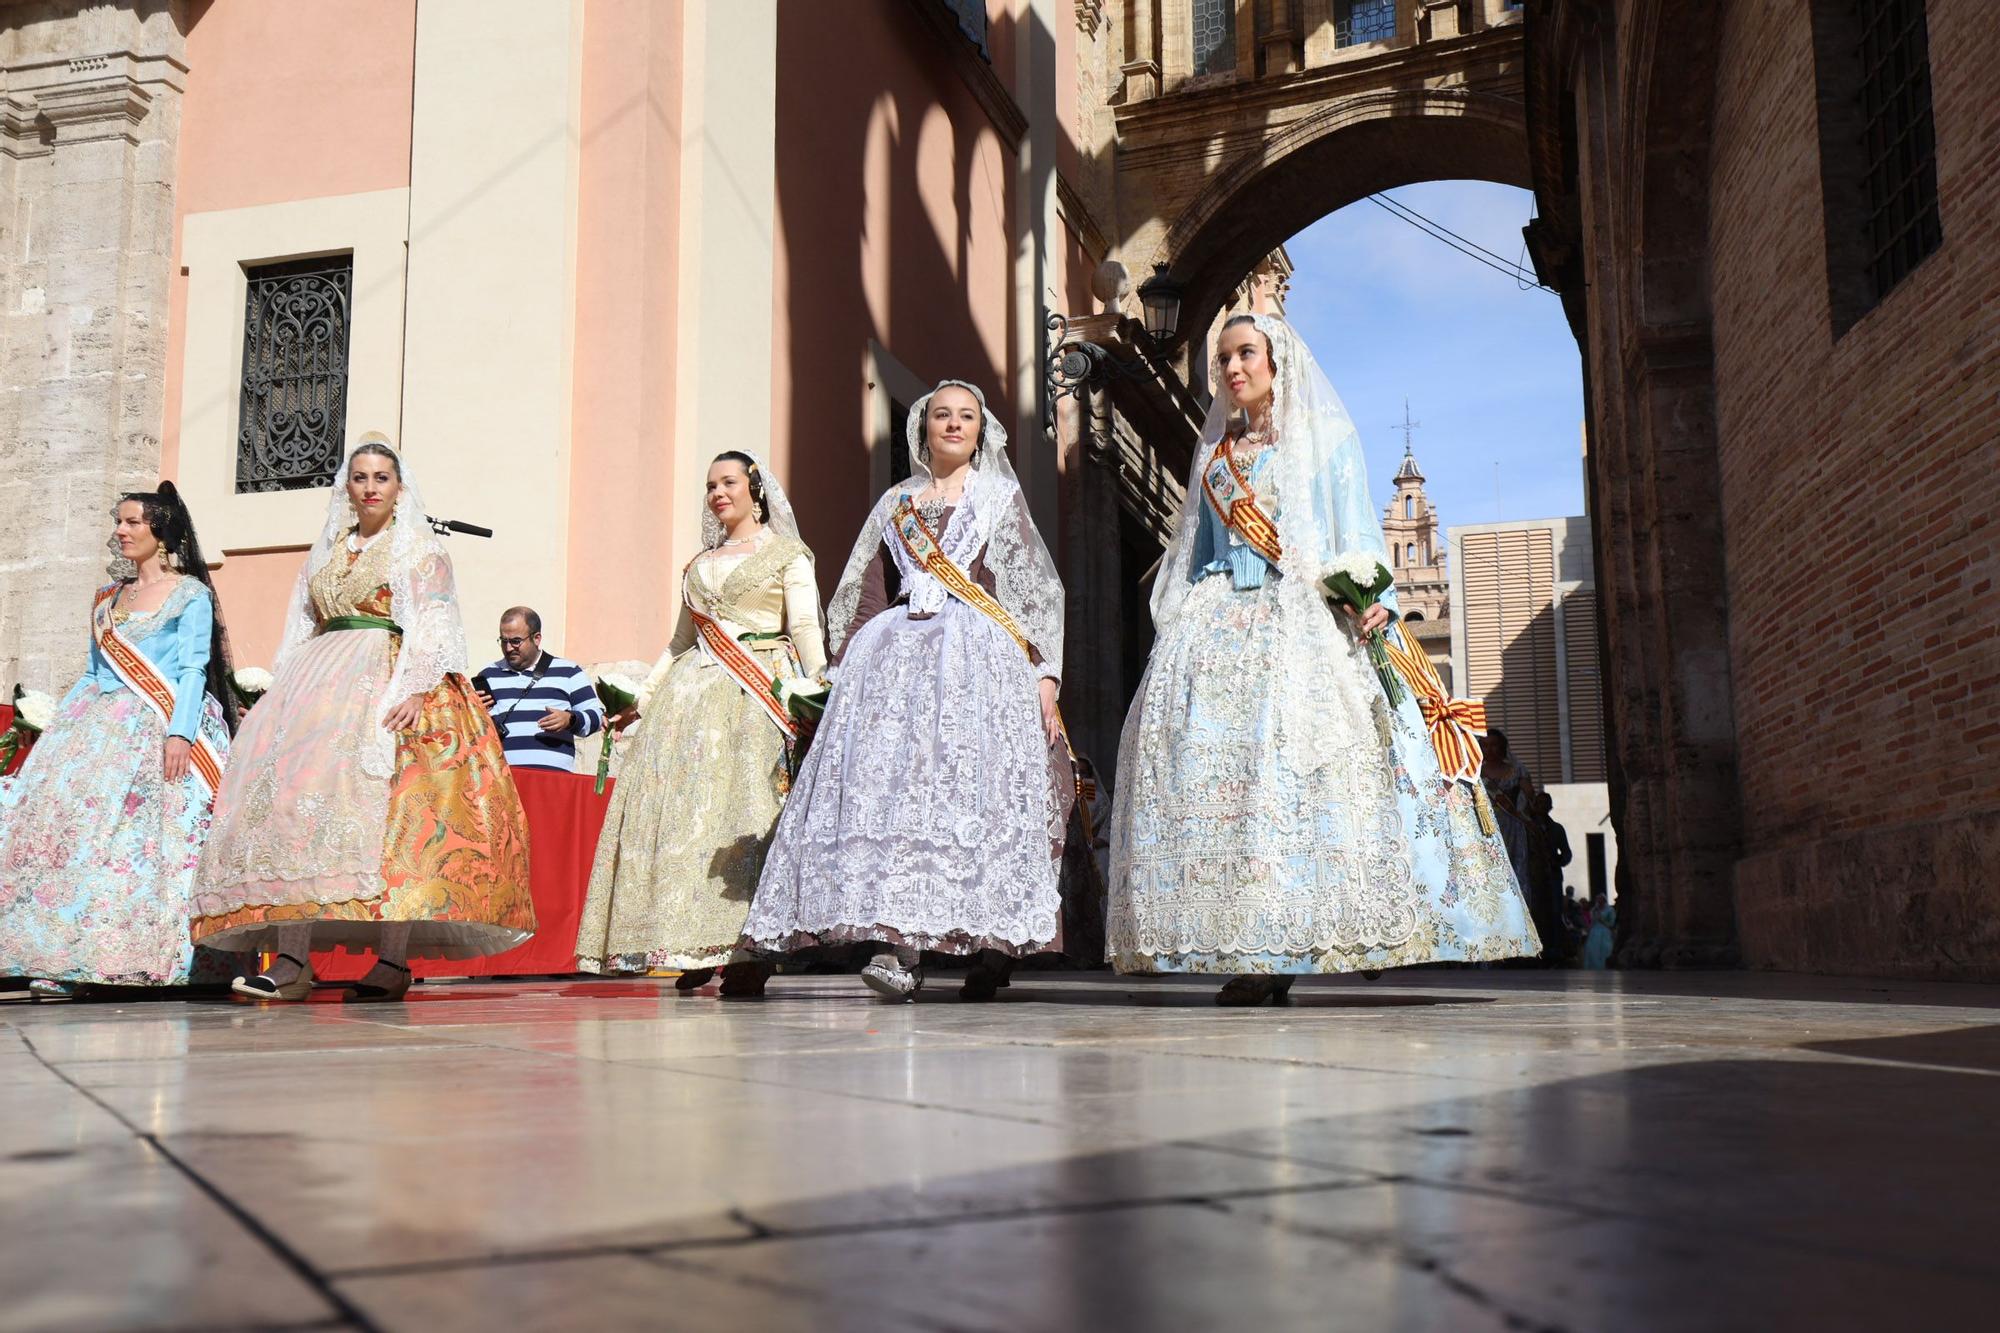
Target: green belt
(332, 623)
(761, 636)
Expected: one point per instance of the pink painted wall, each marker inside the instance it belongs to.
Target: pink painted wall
(895, 197)
(622, 593)
(284, 101)
(254, 589)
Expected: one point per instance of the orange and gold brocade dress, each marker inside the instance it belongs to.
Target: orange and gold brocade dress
(319, 820)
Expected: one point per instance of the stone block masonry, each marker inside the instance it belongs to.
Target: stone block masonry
(89, 128)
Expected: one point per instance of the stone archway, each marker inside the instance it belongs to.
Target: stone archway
(1338, 154)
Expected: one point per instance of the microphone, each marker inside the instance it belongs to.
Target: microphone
(444, 525)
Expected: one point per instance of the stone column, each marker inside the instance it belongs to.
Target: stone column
(90, 101)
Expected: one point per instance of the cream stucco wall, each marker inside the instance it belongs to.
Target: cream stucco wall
(215, 250)
(487, 362)
(723, 382)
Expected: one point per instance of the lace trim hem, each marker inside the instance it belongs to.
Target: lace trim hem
(955, 942)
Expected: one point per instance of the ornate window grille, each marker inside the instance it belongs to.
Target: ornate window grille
(1898, 138)
(293, 419)
(1358, 21)
(1214, 36)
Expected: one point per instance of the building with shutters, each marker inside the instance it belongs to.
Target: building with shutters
(1524, 641)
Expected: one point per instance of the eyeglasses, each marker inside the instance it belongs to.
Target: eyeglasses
(506, 642)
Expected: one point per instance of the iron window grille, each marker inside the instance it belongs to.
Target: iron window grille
(1358, 21)
(1214, 36)
(1898, 139)
(292, 424)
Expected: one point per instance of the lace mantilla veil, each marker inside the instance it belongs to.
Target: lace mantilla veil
(1024, 575)
(778, 516)
(1318, 448)
(423, 598)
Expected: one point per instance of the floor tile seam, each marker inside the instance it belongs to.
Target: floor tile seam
(774, 1289)
(1679, 1223)
(756, 1232)
(1797, 1055)
(191, 1057)
(343, 1311)
(1419, 1261)
(845, 1095)
(1293, 1062)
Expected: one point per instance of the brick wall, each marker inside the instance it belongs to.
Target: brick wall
(1860, 480)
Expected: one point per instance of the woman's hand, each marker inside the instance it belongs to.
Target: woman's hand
(624, 718)
(404, 715)
(1374, 622)
(178, 750)
(1051, 719)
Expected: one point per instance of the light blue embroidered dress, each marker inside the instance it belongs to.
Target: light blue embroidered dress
(97, 848)
(1274, 814)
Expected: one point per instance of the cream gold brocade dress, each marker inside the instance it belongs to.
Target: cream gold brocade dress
(684, 840)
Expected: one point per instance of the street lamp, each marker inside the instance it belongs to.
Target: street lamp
(1074, 362)
(1160, 295)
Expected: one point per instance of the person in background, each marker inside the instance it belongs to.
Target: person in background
(541, 703)
(1549, 854)
(1601, 939)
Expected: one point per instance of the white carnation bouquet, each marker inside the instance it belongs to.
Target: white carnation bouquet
(33, 711)
(1358, 579)
(618, 693)
(250, 685)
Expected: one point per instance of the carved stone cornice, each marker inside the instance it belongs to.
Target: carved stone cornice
(110, 108)
(23, 132)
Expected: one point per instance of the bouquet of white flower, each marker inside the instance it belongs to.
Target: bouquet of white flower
(803, 697)
(617, 693)
(33, 711)
(250, 685)
(1358, 579)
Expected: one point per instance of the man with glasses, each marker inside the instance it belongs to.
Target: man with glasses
(541, 703)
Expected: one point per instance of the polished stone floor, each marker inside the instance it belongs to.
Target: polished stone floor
(1434, 1150)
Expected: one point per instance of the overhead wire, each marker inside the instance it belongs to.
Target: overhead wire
(1470, 249)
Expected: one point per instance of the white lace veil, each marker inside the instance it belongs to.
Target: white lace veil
(778, 516)
(1024, 576)
(1321, 499)
(423, 597)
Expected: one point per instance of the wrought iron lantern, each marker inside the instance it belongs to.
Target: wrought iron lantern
(1160, 295)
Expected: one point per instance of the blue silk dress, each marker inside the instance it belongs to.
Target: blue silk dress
(97, 848)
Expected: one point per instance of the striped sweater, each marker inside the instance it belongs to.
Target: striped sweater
(522, 698)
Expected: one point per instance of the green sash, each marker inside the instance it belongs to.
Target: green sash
(332, 623)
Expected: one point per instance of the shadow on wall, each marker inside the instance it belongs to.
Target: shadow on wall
(899, 198)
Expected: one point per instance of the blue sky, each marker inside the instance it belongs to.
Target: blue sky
(1490, 370)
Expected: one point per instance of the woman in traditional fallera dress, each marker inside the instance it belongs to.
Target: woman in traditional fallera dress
(684, 839)
(1274, 814)
(370, 804)
(101, 829)
(931, 809)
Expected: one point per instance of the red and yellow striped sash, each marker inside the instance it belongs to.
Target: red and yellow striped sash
(923, 547)
(1228, 489)
(1455, 725)
(144, 679)
(729, 654)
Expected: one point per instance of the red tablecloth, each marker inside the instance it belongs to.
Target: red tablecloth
(564, 819)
